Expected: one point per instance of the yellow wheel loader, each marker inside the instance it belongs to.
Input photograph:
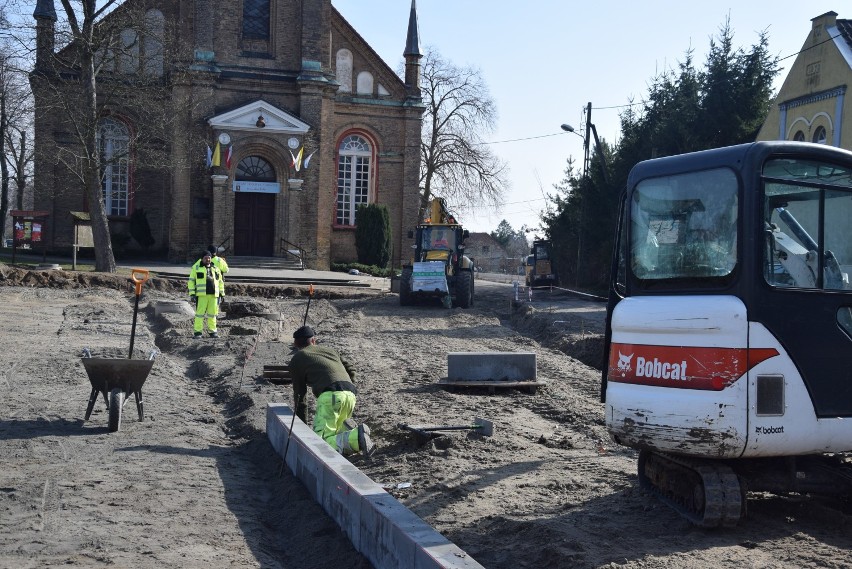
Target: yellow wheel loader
(439, 268)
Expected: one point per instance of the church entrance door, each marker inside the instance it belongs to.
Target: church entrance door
(254, 224)
(255, 186)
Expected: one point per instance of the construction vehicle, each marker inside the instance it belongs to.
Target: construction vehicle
(439, 268)
(729, 326)
(539, 268)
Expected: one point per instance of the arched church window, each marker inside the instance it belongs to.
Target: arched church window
(354, 165)
(799, 136)
(344, 70)
(153, 44)
(256, 19)
(820, 135)
(255, 169)
(114, 147)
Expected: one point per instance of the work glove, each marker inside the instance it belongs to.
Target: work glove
(193, 300)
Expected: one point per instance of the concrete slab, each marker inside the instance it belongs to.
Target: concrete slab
(178, 306)
(494, 366)
(379, 526)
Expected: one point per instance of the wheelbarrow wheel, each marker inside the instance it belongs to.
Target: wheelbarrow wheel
(116, 402)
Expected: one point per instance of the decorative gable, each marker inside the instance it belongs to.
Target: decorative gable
(250, 117)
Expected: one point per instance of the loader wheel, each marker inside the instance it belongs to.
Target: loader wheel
(116, 402)
(405, 287)
(464, 289)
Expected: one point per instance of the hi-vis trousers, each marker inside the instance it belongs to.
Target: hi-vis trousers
(333, 408)
(206, 305)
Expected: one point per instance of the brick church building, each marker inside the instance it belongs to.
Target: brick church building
(303, 121)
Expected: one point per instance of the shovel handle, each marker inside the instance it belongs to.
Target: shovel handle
(138, 276)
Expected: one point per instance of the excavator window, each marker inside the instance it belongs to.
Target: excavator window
(685, 228)
(807, 206)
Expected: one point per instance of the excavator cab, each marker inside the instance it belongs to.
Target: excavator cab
(729, 325)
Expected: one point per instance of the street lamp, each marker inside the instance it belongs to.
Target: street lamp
(568, 128)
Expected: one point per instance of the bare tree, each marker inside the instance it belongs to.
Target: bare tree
(4, 168)
(19, 142)
(112, 62)
(15, 136)
(455, 162)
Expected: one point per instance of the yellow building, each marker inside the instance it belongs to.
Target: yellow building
(811, 104)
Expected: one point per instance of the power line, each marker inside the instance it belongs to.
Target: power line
(832, 38)
(520, 139)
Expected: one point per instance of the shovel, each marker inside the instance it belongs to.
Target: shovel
(426, 433)
(138, 276)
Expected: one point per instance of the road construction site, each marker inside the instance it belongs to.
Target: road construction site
(198, 484)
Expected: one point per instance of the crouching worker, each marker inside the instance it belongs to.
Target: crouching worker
(204, 281)
(330, 379)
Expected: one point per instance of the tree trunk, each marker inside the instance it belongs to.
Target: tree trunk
(20, 169)
(104, 259)
(4, 168)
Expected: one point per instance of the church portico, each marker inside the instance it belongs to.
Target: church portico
(259, 147)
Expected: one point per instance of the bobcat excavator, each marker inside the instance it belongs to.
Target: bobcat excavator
(439, 269)
(729, 326)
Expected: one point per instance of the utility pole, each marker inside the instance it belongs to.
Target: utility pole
(586, 140)
(582, 204)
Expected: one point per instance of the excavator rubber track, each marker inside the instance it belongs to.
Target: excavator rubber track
(705, 492)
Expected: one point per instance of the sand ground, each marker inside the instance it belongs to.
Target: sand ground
(196, 484)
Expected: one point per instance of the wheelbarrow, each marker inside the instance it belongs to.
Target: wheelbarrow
(117, 378)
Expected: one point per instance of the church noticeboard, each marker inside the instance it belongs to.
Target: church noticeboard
(257, 187)
(28, 228)
(82, 229)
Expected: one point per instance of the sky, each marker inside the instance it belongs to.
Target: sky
(545, 60)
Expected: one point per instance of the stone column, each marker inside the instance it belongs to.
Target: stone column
(223, 210)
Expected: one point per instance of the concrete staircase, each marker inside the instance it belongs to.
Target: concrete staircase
(272, 270)
(266, 263)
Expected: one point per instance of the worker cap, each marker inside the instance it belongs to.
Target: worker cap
(304, 332)
(206, 254)
(211, 250)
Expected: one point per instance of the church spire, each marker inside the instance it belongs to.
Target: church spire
(412, 43)
(45, 17)
(412, 54)
(44, 9)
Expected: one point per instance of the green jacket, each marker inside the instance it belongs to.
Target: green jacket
(317, 367)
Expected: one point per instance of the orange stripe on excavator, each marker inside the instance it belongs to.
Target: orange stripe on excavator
(683, 367)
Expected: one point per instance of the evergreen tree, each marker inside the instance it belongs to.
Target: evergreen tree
(504, 233)
(373, 235)
(685, 110)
